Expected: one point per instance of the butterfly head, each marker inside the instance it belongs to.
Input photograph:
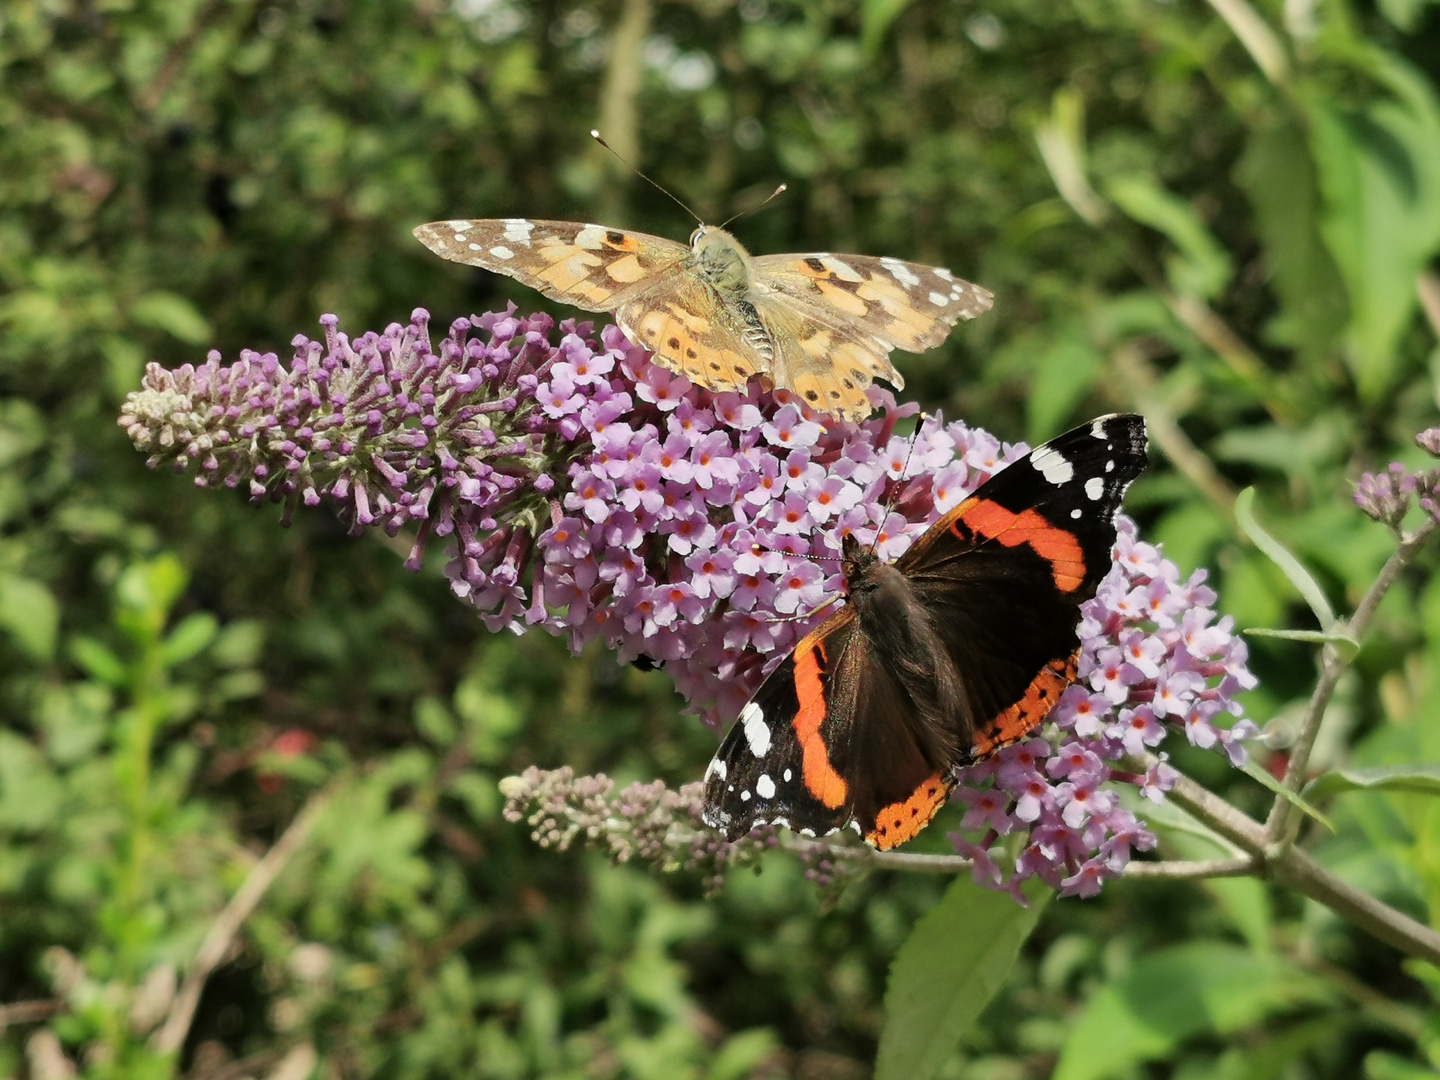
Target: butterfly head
(723, 259)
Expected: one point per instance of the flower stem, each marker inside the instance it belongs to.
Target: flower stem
(1281, 824)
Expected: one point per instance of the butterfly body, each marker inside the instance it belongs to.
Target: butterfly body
(820, 325)
(961, 646)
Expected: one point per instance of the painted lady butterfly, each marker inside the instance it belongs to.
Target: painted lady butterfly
(819, 325)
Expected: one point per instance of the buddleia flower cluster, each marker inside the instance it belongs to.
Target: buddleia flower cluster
(582, 489)
(1387, 496)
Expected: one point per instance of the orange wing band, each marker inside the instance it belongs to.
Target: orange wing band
(1057, 547)
(821, 779)
(1030, 711)
(900, 821)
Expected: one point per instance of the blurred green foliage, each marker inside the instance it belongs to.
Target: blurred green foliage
(1220, 223)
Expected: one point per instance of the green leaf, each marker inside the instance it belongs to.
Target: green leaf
(1203, 268)
(954, 961)
(1288, 564)
(30, 794)
(1173, 994)
(738, 1056)
(1418, 779)
(876, 17)
(189, 639)
(98, 661)
(1379, 168)
(29, 613)
(1278, 175)
(1265, 780)
(1064, 373)
(173, 314)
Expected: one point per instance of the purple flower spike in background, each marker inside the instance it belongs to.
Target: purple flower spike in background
(585, 490)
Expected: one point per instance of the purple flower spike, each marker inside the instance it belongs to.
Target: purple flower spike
(1151, 651)
(581, 488)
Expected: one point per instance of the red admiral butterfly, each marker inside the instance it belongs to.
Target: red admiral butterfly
(960, 647)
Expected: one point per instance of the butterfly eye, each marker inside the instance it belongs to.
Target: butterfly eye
(696, 235)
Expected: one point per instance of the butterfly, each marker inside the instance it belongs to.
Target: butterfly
(961, 646)
(820, 325)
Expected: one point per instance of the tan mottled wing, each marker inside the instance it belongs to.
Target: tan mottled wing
(690, 329)
(588, 266)
(835, 318)
(652, 285)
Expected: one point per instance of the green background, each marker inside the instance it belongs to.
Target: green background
(1222, 216)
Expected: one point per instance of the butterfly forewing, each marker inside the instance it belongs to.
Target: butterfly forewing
(1003, 575)
(904, 305)
(820, 746)
(587, 266)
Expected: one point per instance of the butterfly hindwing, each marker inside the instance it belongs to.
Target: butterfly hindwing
(823, 744)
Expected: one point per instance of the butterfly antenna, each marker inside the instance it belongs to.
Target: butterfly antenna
(890, 498)
(594, 134)
(755, 209)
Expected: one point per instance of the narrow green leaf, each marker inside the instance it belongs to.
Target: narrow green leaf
(952, 964)
(1288, 564)
(97, 661)
(190, 638)
(1203, 268)
(1264, 779)
(1320, 637)
(173, 314)
(1418, 779)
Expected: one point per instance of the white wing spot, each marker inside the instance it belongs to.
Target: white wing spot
(461, 237)
(745, 796)
(476, 247)
(757, 732)
(780, 822)
(786, 776)
(1097, 429)
(591, 237)
(518, 230)
(1052, 465)
(502, 252)
(1094, 487)
(807, 832)
(1109, 466)
(765, 787)
(900, 272)
(939, 299)
(1076, 513)
(943, 274)
(459, 226)
(856, 826)
(841, 269)
(717, 768)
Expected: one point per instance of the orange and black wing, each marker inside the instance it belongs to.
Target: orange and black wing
(823, 744)
(1003, 575)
